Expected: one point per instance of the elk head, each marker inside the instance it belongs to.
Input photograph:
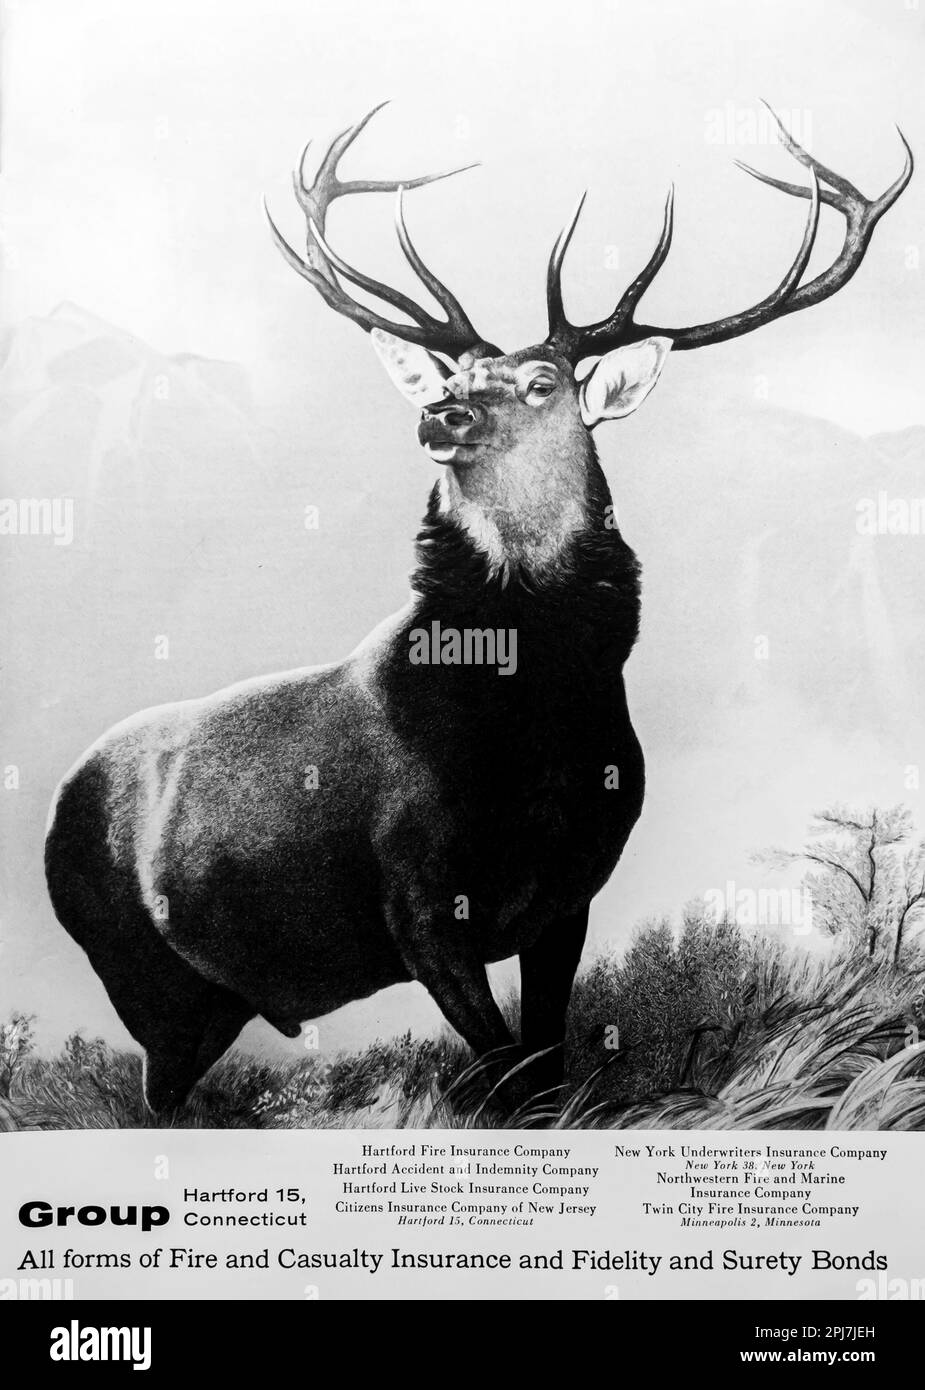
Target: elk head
(514, 429)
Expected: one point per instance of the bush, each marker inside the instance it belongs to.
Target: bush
(708, 1027)
(16, 1042)
(667, 1005)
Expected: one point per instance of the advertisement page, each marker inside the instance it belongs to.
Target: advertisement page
(462, 541)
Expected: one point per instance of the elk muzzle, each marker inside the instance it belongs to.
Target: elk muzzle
(449, 430)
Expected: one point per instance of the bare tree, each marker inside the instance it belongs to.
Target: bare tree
(909, 894)
(861, 882)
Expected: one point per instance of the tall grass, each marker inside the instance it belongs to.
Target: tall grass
(708, 1027)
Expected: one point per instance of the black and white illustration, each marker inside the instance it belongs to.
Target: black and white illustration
(616, 820)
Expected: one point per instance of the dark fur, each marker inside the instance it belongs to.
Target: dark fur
(207, 885)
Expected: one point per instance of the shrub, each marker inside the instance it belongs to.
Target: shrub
(705, 1027)
(16, 1042)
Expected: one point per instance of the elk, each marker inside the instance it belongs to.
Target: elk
(300, 841)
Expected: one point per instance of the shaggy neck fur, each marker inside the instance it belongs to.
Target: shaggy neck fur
(592, 583)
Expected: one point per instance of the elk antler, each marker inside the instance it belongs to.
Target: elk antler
(322, 266)
(861, 216)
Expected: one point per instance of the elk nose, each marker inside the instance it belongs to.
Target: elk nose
(451, 413)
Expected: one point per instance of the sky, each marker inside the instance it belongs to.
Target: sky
(137, 142)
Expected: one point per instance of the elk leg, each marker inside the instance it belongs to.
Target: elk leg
(182, 1021)
(456, 979)
(172, 1070)
(547, 971)
(464, 996)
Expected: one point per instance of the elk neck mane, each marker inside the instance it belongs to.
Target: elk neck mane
(593, 580)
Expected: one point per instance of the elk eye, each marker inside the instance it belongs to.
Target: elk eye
(541, 388)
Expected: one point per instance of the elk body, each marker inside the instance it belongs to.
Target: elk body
(300, 841)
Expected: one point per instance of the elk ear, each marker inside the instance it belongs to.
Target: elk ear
(621, 380)
(419, 376)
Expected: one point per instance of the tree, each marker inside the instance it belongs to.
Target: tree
(909, 893)
(861, 881)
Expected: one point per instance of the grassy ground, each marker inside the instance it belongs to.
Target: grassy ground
(708, 1027)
